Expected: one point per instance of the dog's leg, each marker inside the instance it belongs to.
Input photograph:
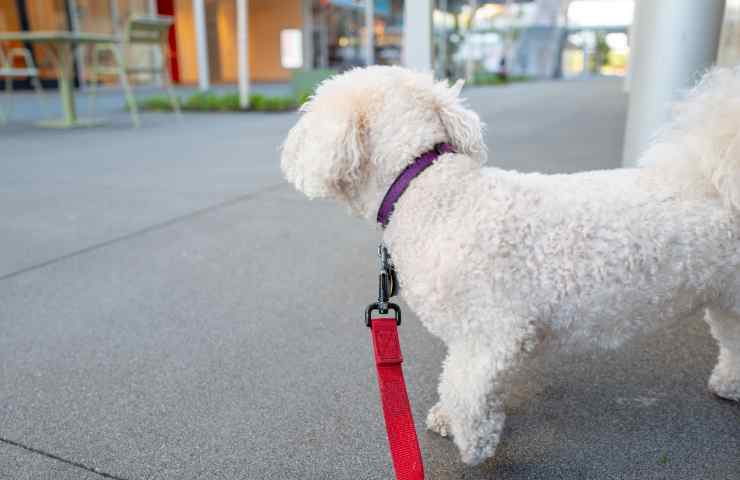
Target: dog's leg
(438, 421)
(474, 384)
(725, 379)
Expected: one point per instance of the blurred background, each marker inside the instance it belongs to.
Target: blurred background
(475, 40)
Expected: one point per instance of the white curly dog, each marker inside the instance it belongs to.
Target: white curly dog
(499, 263)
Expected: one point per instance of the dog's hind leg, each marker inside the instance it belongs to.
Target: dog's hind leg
(474, 384)
(725, 328)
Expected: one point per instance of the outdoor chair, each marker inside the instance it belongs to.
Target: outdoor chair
(139, 30)
(9, 71)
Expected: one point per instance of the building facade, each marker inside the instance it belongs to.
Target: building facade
(283, 35)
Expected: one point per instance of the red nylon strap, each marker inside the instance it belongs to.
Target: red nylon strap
(399, 422)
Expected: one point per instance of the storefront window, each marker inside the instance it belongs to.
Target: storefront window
(339, 32)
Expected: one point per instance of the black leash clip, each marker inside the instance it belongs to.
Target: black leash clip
(387, 288)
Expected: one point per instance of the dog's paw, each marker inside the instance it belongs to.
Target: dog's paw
(725, 386)
(437, 420)
(478, 453)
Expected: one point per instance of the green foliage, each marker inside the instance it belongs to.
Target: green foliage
(304, 96)
(488, 78)
(663, 460)
(600, 57)
(228, 102)
(205, 101)
(159, 103)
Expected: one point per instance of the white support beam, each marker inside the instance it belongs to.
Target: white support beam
(632, 32)
(242, 36)
(308, 29)
(201, 44)
(441, 66)
(417, 35)
(677, 41)
(369, 32)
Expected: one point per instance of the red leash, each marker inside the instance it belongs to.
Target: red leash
(399, 422)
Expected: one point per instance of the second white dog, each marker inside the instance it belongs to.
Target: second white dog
(499, 264)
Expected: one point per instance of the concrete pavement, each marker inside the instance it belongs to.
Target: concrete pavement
(171, 309)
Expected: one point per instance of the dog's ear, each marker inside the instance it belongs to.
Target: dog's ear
(463, 125)
(324, 152)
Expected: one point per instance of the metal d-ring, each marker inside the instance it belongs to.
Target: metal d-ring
(373, 307)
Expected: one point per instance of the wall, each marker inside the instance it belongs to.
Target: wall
(226, 25)
(186, 54)
(266, 20)
(9, 21)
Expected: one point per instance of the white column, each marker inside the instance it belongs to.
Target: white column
(632, 32)
(308, 29)
(201, 43)
(470, 62)
(369, 32)
(242, 38)
(115, 16)
(442, 62)
(417, 35)
(677, 41)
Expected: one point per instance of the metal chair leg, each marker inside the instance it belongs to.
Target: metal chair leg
(36, 81)
(130, 99)
(3, 117)
(167, 79)
(92, 95)
(9, 96)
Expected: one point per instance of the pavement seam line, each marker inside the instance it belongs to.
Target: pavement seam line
(145, 230)
(60, 459)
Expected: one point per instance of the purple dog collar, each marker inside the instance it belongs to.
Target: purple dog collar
(401, 183)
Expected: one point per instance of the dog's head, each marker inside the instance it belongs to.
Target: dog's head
(361, 128)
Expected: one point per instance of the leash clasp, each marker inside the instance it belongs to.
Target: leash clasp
(387, 288)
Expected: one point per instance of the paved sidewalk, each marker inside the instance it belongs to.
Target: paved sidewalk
(171, 309)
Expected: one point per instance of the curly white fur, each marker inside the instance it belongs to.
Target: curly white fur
(500, 264)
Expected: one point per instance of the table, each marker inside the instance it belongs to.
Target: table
(61, 44)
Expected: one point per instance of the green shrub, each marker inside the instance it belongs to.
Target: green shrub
(257, 102)
(160, 103)
(228, 102)
(488, 78)
(203, 101)
(303, 97)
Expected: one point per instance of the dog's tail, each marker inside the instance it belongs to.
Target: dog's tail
(699, 151)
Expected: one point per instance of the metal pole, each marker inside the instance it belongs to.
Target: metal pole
(417, 35)
(669, 58)
(308, 29)
(469, 62)
(443, 44)
(115, 17)
(201, 43)
(632, 32)
(242, 28)
(369, 32)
